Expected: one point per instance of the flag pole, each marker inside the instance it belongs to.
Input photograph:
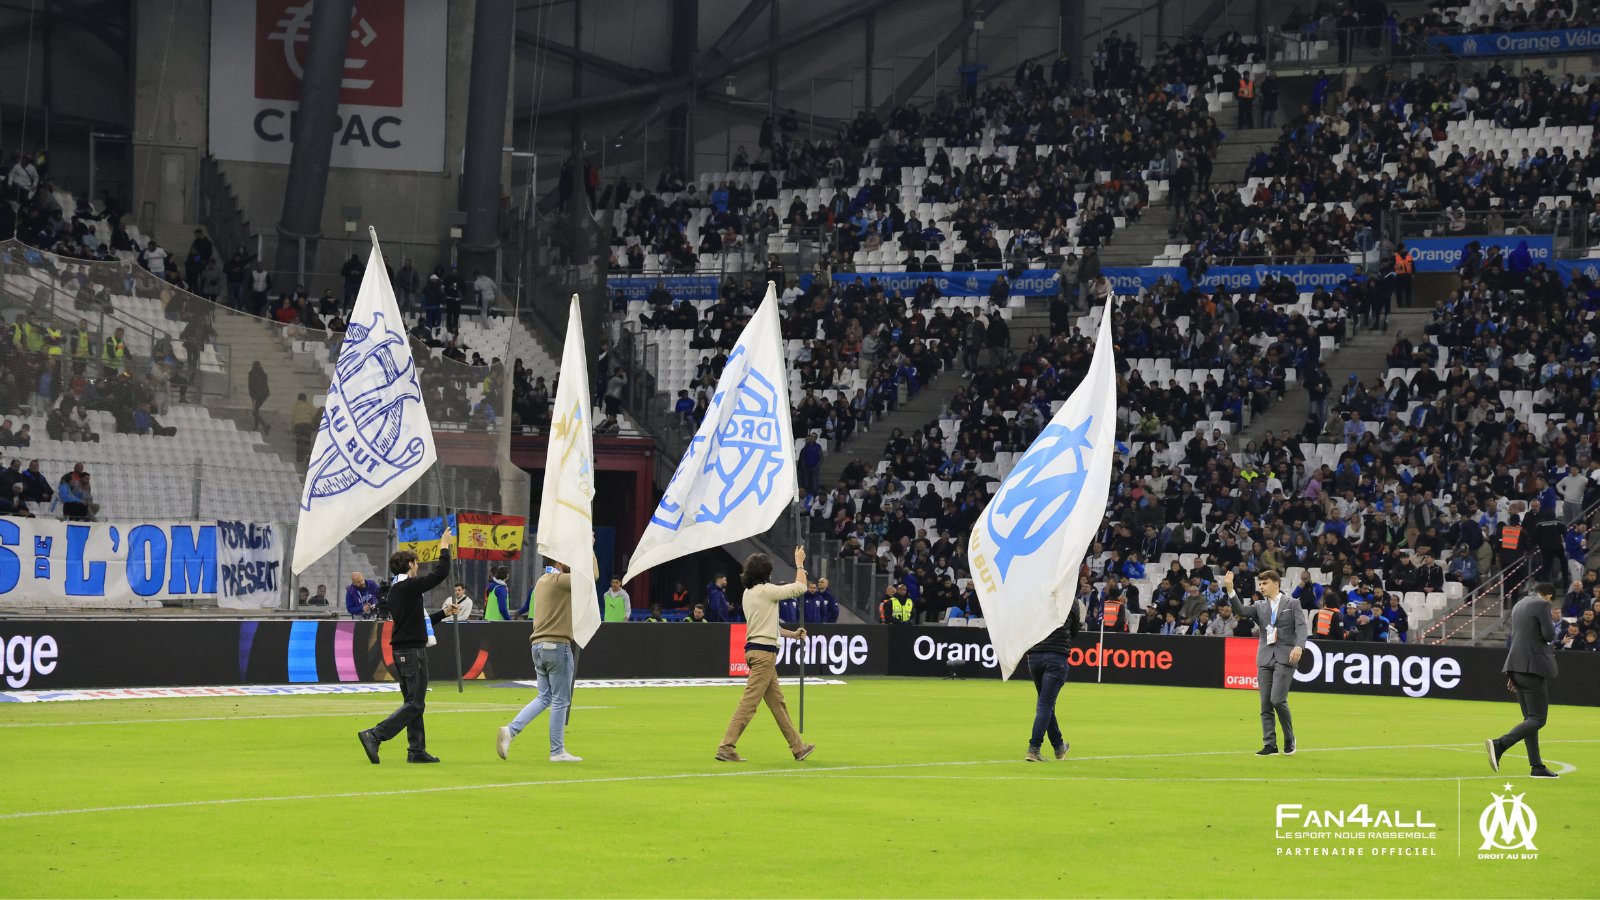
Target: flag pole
(455, 621)
(805, 642)
(1100, 653)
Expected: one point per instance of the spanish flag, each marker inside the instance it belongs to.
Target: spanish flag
(489, 536)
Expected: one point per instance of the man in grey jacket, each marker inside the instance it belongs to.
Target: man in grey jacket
(1283, 639)
(1529, 665)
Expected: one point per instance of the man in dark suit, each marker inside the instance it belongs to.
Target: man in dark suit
(410, 639)
(1283, 638)
(1529, 665)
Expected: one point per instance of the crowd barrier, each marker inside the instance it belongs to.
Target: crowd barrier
(44, 654)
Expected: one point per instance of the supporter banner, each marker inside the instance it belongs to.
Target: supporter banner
(681, 287)
(421, 536)
(1132, 279)
(391, 106)
(249, 564)
(489, 536)
(1031, 283)
(1520, 43)
(112, 563)
(1443, 254)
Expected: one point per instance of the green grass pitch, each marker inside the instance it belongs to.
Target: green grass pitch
(917, 789)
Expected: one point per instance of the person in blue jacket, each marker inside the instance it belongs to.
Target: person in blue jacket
(811, 604)
(829, 603)
(717, 599)
(360, 596)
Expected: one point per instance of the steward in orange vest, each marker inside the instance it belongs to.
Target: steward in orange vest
(1327, 623)
(1112, 617)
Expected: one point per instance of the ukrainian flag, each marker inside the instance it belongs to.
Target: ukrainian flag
(421, 536)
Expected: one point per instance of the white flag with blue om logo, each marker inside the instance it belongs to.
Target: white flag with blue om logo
(375, 440)
(1029, 541)
(566, 504)
(739, 473)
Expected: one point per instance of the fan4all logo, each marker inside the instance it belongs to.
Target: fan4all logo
(726, 467)
(368, 443)
(1361, 830)
(1508, 826)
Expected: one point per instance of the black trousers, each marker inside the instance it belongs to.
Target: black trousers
(412, 665)
(1534, 697)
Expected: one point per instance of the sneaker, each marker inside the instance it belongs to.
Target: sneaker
(369, 743)
(502, 741)
(1542, 772)
(1493, 746)
(805, 752)
(1289, 748)
(1033, 756)
(422, 757)
(729, 756)
(564, 756)
(1268, 750)
(1061, 751)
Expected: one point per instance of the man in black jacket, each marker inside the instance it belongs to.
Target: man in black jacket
(1047, 662)
(1529, 665)
(410, 639)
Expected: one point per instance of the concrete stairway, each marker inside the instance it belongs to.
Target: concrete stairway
(1140, 244)
(250, 340)
(913, 414)
(1236, 150)
(1364, 355)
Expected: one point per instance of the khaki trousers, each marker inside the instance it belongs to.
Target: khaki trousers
(763, 685)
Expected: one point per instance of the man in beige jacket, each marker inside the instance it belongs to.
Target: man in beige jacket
(761, 598)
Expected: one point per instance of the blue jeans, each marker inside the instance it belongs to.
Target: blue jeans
(1049, 672)
(552, 660)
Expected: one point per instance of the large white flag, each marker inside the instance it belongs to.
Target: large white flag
(375, 440)
(566, 505)
(739, 473)
(1029, 541)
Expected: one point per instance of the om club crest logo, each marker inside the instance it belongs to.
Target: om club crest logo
(739, 461)
(1041, 493)
(365, 420)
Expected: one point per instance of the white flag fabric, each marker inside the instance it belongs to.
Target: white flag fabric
(739, 472)
(375, 439)
(1029, 541)
(566, 504)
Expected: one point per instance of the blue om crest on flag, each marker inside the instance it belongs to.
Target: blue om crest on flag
(1038, 497)
(366, 416)
(742, 460)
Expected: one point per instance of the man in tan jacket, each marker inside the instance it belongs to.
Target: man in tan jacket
(761, 598)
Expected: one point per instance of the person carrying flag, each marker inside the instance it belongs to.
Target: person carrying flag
(761, 599)
(413, 633)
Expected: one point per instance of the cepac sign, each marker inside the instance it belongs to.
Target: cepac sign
(391, 97)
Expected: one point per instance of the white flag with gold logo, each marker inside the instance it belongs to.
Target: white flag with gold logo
(566, 505)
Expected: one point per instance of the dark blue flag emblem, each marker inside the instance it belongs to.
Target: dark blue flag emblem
(368, 404)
